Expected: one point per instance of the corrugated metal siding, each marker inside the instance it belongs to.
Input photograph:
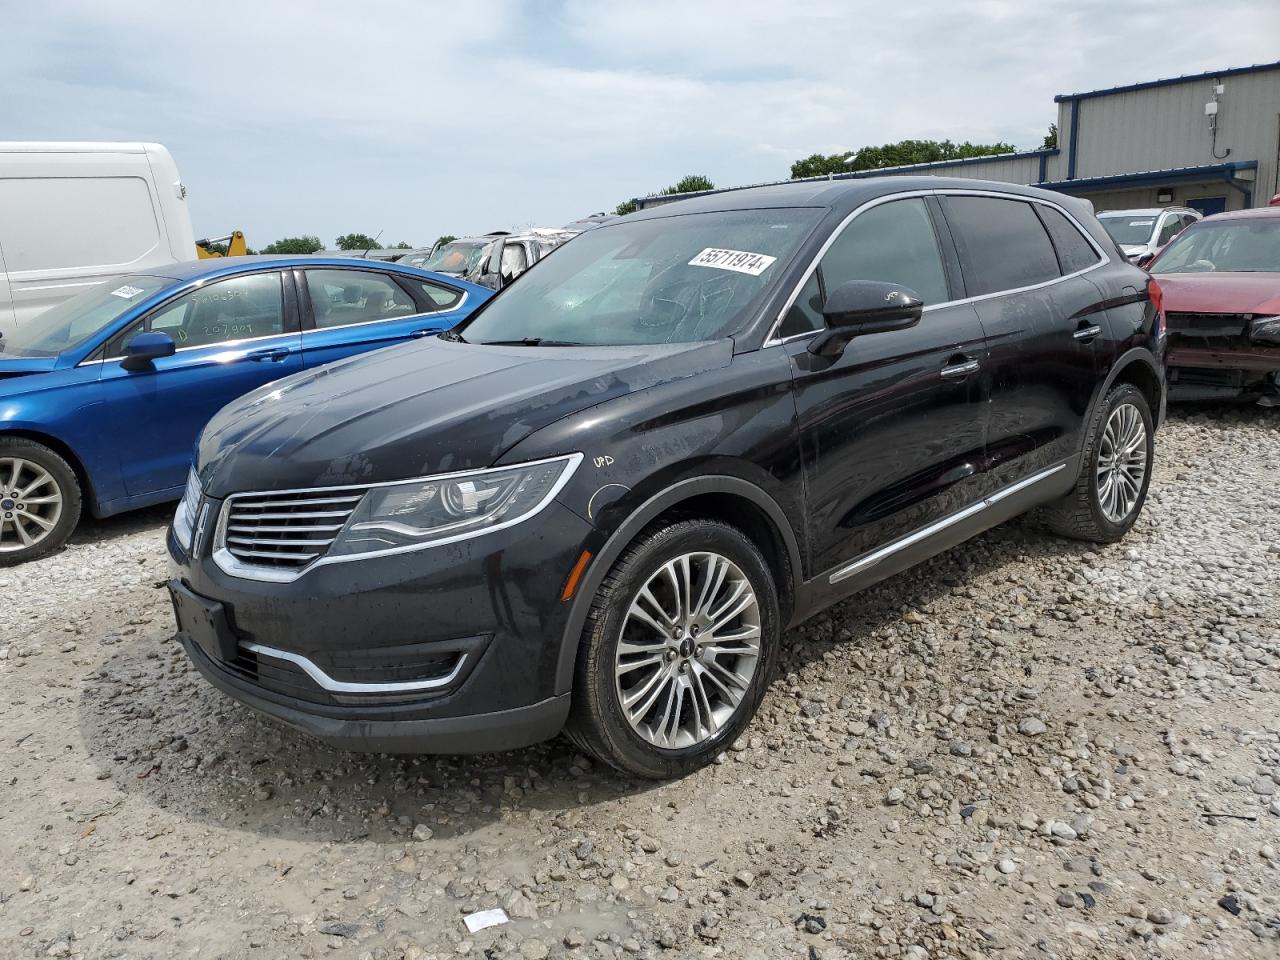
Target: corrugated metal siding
(1007, 170)
(1166, 127)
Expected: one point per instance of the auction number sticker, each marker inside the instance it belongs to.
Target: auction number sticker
(127, 292)
(739, 261)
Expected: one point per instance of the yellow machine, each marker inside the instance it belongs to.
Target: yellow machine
(236, 247)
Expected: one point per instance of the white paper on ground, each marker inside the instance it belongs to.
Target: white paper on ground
(485, 918)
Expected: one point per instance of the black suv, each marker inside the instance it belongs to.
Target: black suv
(598, 504)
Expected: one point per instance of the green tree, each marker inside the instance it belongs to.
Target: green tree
(303, 244)
(902, 153)
(402, 245)
(447, 238)
(356, 241)
(1051, 138)
(692, 183)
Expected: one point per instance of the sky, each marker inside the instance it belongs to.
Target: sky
(420, 118)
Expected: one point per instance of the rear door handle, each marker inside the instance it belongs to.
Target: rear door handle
(1085, 334)
(270, 356)
(958, 371)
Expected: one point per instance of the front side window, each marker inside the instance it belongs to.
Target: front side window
(1245, 245)
(673, 279)
(343, 297)
(1172, 225)
(892, 243)
(1002, 244)
(238, 308)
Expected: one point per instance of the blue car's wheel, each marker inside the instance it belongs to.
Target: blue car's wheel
(39, 500)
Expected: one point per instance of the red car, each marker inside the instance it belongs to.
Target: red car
(1221, 284)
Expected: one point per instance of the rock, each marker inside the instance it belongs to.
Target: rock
(340, 929)
(422, 832)
(895, 796)
(1032, 727)
(1065, 899)
(1231, 904)
(1006, 866)
(744, 879)
(1160, 915)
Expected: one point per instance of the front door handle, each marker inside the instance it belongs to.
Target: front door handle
(270, 356)
(419, 334)
(1087, 334)
(958, 371)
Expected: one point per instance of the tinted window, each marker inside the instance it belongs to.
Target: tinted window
(1074, 251)
(805, 314)
(341, 297)
(1002, 244)
(443, 297)
(893, 243)
(1172, 225)
(237, 308)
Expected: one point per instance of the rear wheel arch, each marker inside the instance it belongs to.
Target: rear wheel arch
(734, 501)
(1140, 367)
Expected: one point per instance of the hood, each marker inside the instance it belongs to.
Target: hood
(1134, 249)
(11, 366)
(1257, 293)
(419, 409)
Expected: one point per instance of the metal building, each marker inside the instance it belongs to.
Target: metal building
(1210, 141)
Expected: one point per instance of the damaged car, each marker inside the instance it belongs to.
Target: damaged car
(598, 504)
(1221, 283)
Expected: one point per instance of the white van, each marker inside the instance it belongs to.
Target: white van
(74, 215)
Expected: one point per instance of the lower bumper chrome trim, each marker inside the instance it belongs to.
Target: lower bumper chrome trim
(326, 682)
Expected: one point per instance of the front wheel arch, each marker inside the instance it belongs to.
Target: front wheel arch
(715, 497)
(88, 493)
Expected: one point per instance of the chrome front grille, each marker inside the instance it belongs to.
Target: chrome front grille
(285, 531)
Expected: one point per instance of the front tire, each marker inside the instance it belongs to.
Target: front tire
(39, 500)
(1116, 474)
(677, 650)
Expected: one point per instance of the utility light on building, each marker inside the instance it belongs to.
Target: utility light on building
(1164, 196)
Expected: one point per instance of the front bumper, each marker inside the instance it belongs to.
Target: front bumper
(448, 649)
(1222, 355)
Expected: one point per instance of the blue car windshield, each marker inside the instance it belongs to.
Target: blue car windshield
(675, 279)
(74, 321)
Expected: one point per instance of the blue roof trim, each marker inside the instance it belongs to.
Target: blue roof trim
(1169, 81)
(1213, 171)
(947, 164)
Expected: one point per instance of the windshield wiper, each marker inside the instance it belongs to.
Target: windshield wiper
(531, 342)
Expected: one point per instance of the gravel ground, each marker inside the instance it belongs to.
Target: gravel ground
(1025, 748)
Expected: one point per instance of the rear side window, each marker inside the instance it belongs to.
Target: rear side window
(1002, 244)
(343, 297)
(893, 243)
(1074, 251)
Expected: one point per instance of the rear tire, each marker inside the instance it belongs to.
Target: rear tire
(1116, 473)
(40, 500)
(677, 650)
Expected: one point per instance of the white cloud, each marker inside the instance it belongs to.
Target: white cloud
(420, 119)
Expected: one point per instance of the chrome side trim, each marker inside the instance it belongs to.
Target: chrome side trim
(442, 312)
(871, 559)
(327, 683)
(772, 339)
(227, 345)
(228, 563)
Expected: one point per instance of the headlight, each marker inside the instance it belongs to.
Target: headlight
(436, 510)
(184, 520)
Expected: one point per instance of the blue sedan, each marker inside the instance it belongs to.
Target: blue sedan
(102, 397)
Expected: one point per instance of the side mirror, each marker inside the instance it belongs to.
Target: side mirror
(145, 347)
(1144, 261)
(860, 307)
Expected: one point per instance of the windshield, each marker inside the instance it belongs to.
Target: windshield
(1130, 228)
(458, 257)
(671, 280)
(1247, 245)
(74, 321)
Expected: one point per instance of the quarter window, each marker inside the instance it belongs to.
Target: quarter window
(1002, 244)
(1074, 251)
(342, 297)
(238, 308)
(443, 298)
(893, 243)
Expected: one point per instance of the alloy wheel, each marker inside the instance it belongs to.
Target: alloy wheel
(688, 649)
(1122, 462)
(30, 504)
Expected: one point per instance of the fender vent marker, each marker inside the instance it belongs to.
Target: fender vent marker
(575, 577)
